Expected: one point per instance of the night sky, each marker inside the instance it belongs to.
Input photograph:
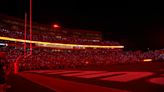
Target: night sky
(135, 28)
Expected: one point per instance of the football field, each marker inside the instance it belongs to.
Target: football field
(115, 78)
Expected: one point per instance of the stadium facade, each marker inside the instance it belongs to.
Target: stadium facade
(14, 28)
(48, 30)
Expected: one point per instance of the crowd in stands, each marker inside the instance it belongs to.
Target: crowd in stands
(58, 59)
(46, 58)
(58, 39)
(50, 58)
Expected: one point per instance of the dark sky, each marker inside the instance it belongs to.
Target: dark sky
(136, 28)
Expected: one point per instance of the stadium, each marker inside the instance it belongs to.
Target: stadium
(44, 58)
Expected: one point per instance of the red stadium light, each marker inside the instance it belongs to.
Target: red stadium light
(86, 62)
(56, 26)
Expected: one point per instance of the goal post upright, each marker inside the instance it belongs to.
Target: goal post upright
(30, 27)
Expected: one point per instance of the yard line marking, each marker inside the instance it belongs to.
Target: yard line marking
(127, 76)
(39, 71)
(83, 73)
(97, 75)
(159, 80)
(62, 72)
